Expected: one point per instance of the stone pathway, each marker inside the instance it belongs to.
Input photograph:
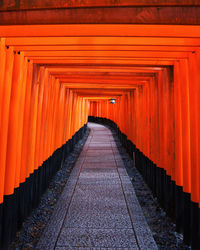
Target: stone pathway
(98, 208)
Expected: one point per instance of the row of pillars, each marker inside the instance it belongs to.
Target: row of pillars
(38, 115)
(161, 118)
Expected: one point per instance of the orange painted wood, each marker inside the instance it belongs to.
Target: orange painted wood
(151, 71)
(69, 116)
(128, 30)
(185, 110)
(178, 127)
(43, 128)
(194, 120)
(40, 82)
(24, 153)
(170, 123)
(22, 86)
(5, 107)
(11, 171)
(60, 119)
(2, 67)
(141, 40)
(198, 124)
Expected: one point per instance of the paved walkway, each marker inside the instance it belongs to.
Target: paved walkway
(98, 208)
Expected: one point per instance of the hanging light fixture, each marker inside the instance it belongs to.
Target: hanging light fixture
(112, 100)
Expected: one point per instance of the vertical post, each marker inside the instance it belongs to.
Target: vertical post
(194, 142)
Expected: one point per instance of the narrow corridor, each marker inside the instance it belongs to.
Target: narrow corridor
(98, 208)
(130, 65)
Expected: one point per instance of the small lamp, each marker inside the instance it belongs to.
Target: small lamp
(112, 101)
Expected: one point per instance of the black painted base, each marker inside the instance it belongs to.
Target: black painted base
(18, 206)
(194, 225)
(186, 218)
(176, 203)
(1, 221)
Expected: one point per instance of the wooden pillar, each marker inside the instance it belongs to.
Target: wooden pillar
(25, 142)
(23, 80)
(32, 122)
(2, 68)
(40, 82)
(5, 107)
(13, 126)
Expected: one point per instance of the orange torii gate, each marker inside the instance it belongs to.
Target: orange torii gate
(60, 63)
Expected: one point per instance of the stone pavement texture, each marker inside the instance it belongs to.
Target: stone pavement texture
(98, 208)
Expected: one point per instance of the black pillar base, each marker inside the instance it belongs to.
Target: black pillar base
(9, 222)
(195, 239)
(179, 208)
(169, 199)
(186, 218)
(1, 222)
(21, 205)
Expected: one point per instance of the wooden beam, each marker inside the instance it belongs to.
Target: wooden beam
(59, 69)
(110, 54)
(125, 63)
(125, 41)
(51, 4)
(122, 30)
(177, 15)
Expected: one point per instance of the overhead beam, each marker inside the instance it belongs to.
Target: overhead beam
(99, 54)
(31, 48)
(102, 86)
(104, 15)
(103, 81)
(126, 63)
(106, 75)
(112, 77)
(49, 4)
(160, 41)
(58, 69)
(121, 30)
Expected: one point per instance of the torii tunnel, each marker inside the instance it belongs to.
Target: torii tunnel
(62, 61)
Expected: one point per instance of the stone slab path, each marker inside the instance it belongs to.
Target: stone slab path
(98, 208)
